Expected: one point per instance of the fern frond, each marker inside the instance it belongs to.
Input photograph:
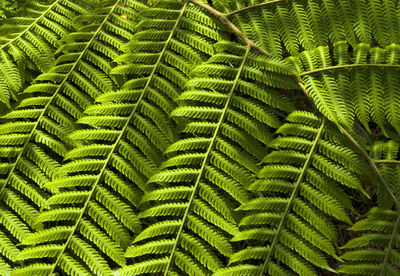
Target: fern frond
(301, 184)
(339, 93)
(36, 131)
(208, 171)
(305, 25)
(29, 41)
(99, 187)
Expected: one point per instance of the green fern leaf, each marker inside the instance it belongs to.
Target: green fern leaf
(381, 232)
(48, 114)
(219, 162)
(305, 154)
(98, 188)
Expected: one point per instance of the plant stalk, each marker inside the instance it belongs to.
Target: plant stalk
(230, 25)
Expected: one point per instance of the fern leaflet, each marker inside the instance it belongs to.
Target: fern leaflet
(311, 154)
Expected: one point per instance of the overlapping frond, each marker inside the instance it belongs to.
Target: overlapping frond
(337, 47)
(229, 107)
(167, 154)
(34, 136)
(376, 248)
(29, 39)
(92, 215)
(287, 228)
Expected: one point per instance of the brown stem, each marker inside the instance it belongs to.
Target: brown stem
(230, 25)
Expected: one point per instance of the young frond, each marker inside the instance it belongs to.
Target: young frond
(303, 182)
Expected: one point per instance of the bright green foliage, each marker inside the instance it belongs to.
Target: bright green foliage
(28, 41)
(351, 82)
(92, 215)
(306, 24)
(341, 50)
(301, 181)
(206, 176)
(34, 136)
(200, 137)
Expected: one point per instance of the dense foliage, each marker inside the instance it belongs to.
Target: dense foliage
(191, 137)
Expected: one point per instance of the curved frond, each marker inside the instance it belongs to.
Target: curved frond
(353, 83)
(346, 52)
(305, 25)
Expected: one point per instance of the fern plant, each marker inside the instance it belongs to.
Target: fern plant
(303, 182)
(193, 137)
(92, 214)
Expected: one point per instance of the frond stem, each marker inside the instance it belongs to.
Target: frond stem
(30, 26)
(230, 25)
(388, 249)
(205, 160)
(345, 66)
(386, 161)
(253, 6)
(371, 163)
(293, 196)
(92, 191)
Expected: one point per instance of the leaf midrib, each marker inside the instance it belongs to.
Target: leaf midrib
(206, 159)
(123, 130)
(292, 197)
(50, 102)
(31, 25)
(46, 107)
